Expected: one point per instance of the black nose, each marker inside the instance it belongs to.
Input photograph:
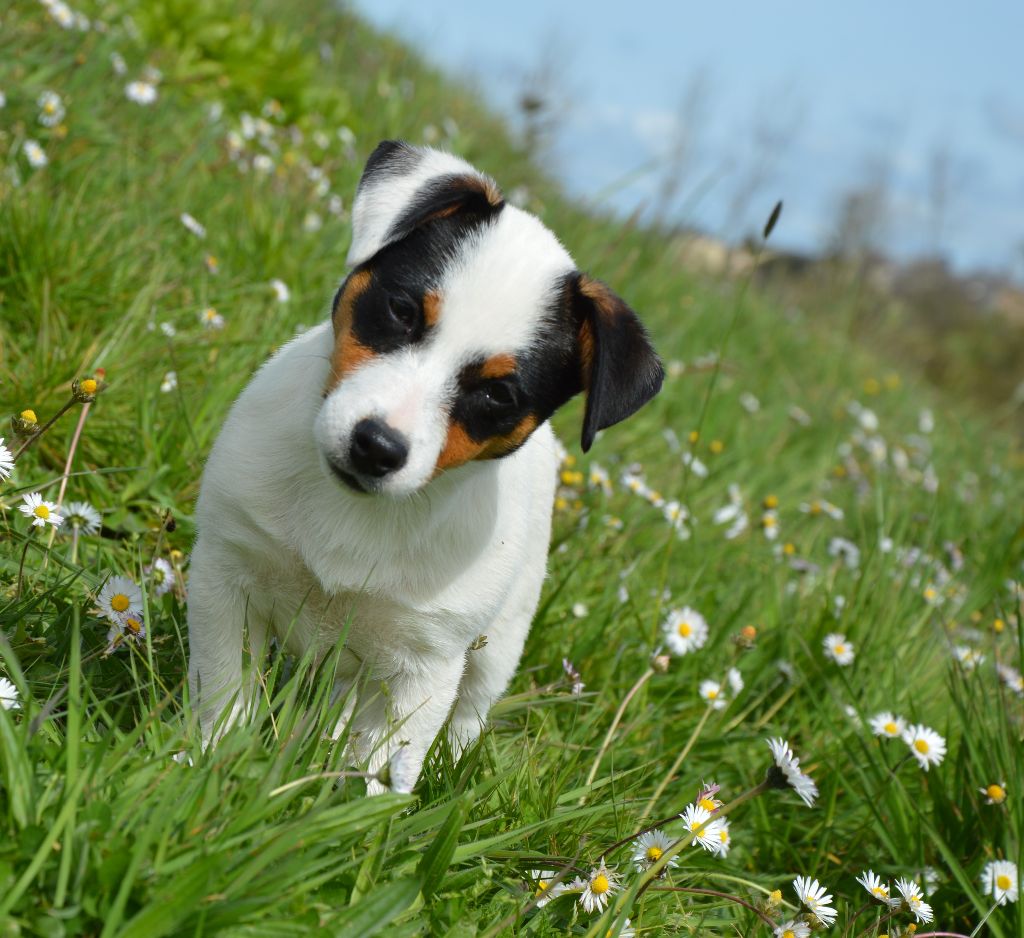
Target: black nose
(377, 449)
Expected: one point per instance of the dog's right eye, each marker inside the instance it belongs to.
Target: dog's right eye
(404, 312)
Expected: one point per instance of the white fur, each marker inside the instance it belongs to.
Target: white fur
(284, 548)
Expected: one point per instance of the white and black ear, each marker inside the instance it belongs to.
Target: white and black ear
(403, 187)
(620, 369)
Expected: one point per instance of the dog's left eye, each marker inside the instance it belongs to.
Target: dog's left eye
(404, 312)
(498, 397)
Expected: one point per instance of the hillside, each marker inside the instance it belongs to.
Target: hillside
(174, 212)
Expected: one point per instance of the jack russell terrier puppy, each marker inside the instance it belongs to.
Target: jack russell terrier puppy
(387, 478)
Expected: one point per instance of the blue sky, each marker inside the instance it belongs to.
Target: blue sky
(798, 99)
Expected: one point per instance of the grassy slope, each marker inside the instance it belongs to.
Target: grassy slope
(102, 833)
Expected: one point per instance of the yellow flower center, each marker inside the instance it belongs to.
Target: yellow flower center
(541, 887)
(789, 933)
(890, 728)
(881, 891)
(815, 508)
(723, 835)
(789, 549)
(775, 896)
(716, 446)
(707, 804)
(654, 854)
(50, 107)
(712, 693)
(922, 746)
(769, 521)
(599, 885)
(696, 825)
(29, 416)
(999, 625)
(133, 625)
(89, 386)
(1003, 882)
(41, 511)
(119, 602)
(685, 629)
(995, 792)
(771, 501)
(930, 593)
(840, 649)
(694, 436)
(210, 313)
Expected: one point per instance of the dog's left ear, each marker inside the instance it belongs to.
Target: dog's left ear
(403, 187)
(620, 370)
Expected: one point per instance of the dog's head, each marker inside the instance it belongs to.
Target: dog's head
(462, 327)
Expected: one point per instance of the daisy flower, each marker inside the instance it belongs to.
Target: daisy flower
(118, 64)
(699, 822)
(83, 517)
(35, 154)
(61, 14)
(211, 319)
(140, 92)
(9, 695)
(596, 890)
(160, 576)
(51, 109)
(792, 929)
(846, 550)
(886, 724)
(911, 893)
(685, 630)
(40, 511)
(786, 772)
(193, 225)
(928, 747)
(118, 597)
(129, 626)
(812, 894)
(770, 524)
(6, 461)
(1012, 678)
(574, 676)
(878, 890)
(170, 382)
(994, 793)
(724, 836)
(711, 693)
(262, 163)
(999, 880)
(968, 657)
(281, 292)
(649, 848)
(544, 891)
(838, 648)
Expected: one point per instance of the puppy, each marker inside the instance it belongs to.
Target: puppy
(387, 478)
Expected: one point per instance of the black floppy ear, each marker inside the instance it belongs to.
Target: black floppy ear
(620, 370)
(403, 187)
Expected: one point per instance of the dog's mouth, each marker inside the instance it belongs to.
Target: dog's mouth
(347, 478)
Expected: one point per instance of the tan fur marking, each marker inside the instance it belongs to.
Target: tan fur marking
(459, 448)
(348, 352)
(586, 353)
(498, 366)
(431, 308)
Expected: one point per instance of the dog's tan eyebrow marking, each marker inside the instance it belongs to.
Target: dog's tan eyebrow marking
(431, 308)
(349, 353)
(498, 366)
(460, 448)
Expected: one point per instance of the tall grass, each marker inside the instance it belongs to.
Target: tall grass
(103, 832)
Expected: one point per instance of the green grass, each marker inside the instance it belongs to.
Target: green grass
(102, 833)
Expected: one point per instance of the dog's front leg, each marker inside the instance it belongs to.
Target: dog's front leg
(396, 720)
(218, 611)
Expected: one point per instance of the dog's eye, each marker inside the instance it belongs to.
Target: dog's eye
(404, 311)
(498, 396)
